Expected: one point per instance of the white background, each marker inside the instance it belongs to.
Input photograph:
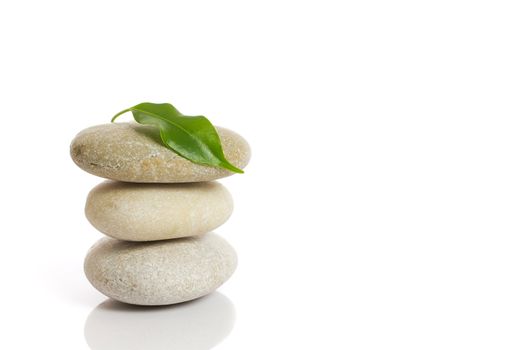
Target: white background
(384, 204)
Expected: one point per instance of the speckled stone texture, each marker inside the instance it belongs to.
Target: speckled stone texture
(149, 212)
(160, 273)
(134, 153)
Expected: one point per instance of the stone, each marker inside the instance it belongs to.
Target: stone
(162, 272)
(149, 212)
(132, 152)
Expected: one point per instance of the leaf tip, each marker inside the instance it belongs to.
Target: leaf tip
(232, 168)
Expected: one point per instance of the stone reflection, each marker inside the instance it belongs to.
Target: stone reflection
(199, 324)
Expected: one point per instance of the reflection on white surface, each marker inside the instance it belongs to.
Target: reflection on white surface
(199, 324)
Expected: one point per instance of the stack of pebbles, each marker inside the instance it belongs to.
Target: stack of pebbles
(158, 210)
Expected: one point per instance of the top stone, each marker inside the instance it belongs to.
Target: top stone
(132, 152)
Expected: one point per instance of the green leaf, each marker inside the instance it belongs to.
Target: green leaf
(191, 137)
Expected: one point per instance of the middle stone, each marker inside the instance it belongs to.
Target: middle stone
(151, 212)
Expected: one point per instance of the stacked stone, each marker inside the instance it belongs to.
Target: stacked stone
(158, 210)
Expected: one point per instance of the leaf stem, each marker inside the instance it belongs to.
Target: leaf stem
(119, 114)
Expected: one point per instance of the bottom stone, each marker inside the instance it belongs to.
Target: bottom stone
(160, 273)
